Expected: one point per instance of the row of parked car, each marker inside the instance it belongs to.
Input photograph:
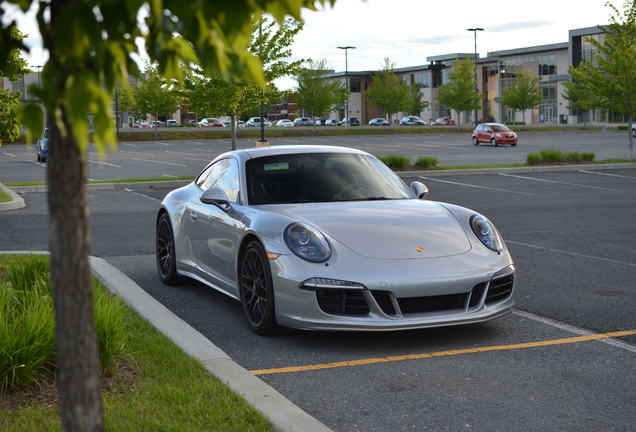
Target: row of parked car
(299, 121)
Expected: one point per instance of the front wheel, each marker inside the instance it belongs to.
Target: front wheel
(475, 141)
(165, 251)
(257, 294)
(494, 142)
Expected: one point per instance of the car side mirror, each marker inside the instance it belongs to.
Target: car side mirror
(217, 197)
(420, 189)
(489, 131)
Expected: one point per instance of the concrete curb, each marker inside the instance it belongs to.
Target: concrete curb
(16, 200)
(403, 174)
(282, 413)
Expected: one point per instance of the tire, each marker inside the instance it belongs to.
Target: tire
(165, 252)
(39, 157)
(475, 141)
(494, 142)
(513, 144)
(256, 291)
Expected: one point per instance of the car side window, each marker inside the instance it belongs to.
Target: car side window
(224, 175)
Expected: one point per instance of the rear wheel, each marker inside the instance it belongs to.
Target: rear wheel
(475, 141)
(513, 144)
(494, 142)
(165, 251)
(257, 294)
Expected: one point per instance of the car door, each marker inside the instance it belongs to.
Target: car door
(215, 232)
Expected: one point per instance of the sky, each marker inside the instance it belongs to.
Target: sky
(408, 31)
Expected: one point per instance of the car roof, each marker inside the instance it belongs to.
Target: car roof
(256, 152)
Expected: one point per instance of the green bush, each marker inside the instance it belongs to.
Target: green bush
(622, 127)
(534, 158)
(395, 161)
(587, 156)
(573, 157)
(552, 156)
(27, 325)
(426, 162)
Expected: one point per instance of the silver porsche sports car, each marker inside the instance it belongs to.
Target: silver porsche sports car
(329, 238)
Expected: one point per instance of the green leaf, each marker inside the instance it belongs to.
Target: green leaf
(32, 117)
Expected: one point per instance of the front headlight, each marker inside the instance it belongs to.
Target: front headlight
(486, 233)
(498, 135)
(307, 243)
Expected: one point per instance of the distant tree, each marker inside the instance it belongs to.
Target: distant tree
(414, 103)
(388, 91)
(154, 95)
(460, 93)
(9, 100)
(92, 50)
(581, 98)
(316, 94)
(523, 94)
(612, 76)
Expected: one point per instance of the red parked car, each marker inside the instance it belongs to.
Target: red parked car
(495, 134)
(443, 121)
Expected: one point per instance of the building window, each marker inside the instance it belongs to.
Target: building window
(354, 85)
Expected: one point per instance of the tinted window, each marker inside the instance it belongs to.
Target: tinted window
(223, 175)
(500, 128)
(321, 177)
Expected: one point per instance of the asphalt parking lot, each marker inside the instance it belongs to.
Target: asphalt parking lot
(169, 159)
(572, 237)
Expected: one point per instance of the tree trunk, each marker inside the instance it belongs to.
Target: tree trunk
(523, 118)
(233, 130)
(78, 370)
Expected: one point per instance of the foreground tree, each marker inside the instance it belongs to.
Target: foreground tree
(612, 76)
(316, 94)
(388, 91)
(459, 92)
(9, 100)
(523, 95)
(91, 48)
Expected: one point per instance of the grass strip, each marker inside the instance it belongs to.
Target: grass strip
(157, 388)
(4, 197)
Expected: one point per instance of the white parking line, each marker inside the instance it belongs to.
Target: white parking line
(606, 174)
(474, 186)
(130, 145)
(104, 163)
(164, 144)
(143, 195)
(9, 154)
(560, 182)
(576, 254)
(158, 162)
(179, 153)
(37, 163)
(572, 329)
(205, 150)
(139, 153)
(168, 175)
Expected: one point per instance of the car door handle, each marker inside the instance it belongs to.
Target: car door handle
(193, 215)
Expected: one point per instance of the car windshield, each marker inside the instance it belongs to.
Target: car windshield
(500, 128)
(321, 177)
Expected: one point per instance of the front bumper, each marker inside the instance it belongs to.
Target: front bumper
(394, 295)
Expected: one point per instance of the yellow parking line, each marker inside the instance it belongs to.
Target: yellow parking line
(442, 353)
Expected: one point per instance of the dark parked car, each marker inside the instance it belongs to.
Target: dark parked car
(303, 121)
(443, 121)
(412, 121)
(352, 122)
(378, 122)
(42, 146)
(495, 134)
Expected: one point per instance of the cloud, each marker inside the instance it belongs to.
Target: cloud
(435, 40)
(518, 25)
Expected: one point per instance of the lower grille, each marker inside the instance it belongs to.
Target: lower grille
(342, 302)
(411, 305)
(383, 299)
(476, 294)
(500, 289)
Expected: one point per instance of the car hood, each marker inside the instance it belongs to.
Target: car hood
(395, 229)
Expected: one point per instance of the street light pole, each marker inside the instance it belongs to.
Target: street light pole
(475, 30)
(346, 50)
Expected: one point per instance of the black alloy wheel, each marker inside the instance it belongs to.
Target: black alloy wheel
(494, 142)
(475, 141)
(257, 295)
(165, 255)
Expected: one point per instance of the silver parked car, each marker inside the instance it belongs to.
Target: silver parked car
(329, 238)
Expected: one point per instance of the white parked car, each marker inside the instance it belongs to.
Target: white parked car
(634, 130)
(210, 122)
(256, 122)
(284, 123)
(412, 121)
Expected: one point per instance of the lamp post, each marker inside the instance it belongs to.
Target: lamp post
(346, 50)
(475, 30)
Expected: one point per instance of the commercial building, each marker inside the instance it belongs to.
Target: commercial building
(495, 73)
